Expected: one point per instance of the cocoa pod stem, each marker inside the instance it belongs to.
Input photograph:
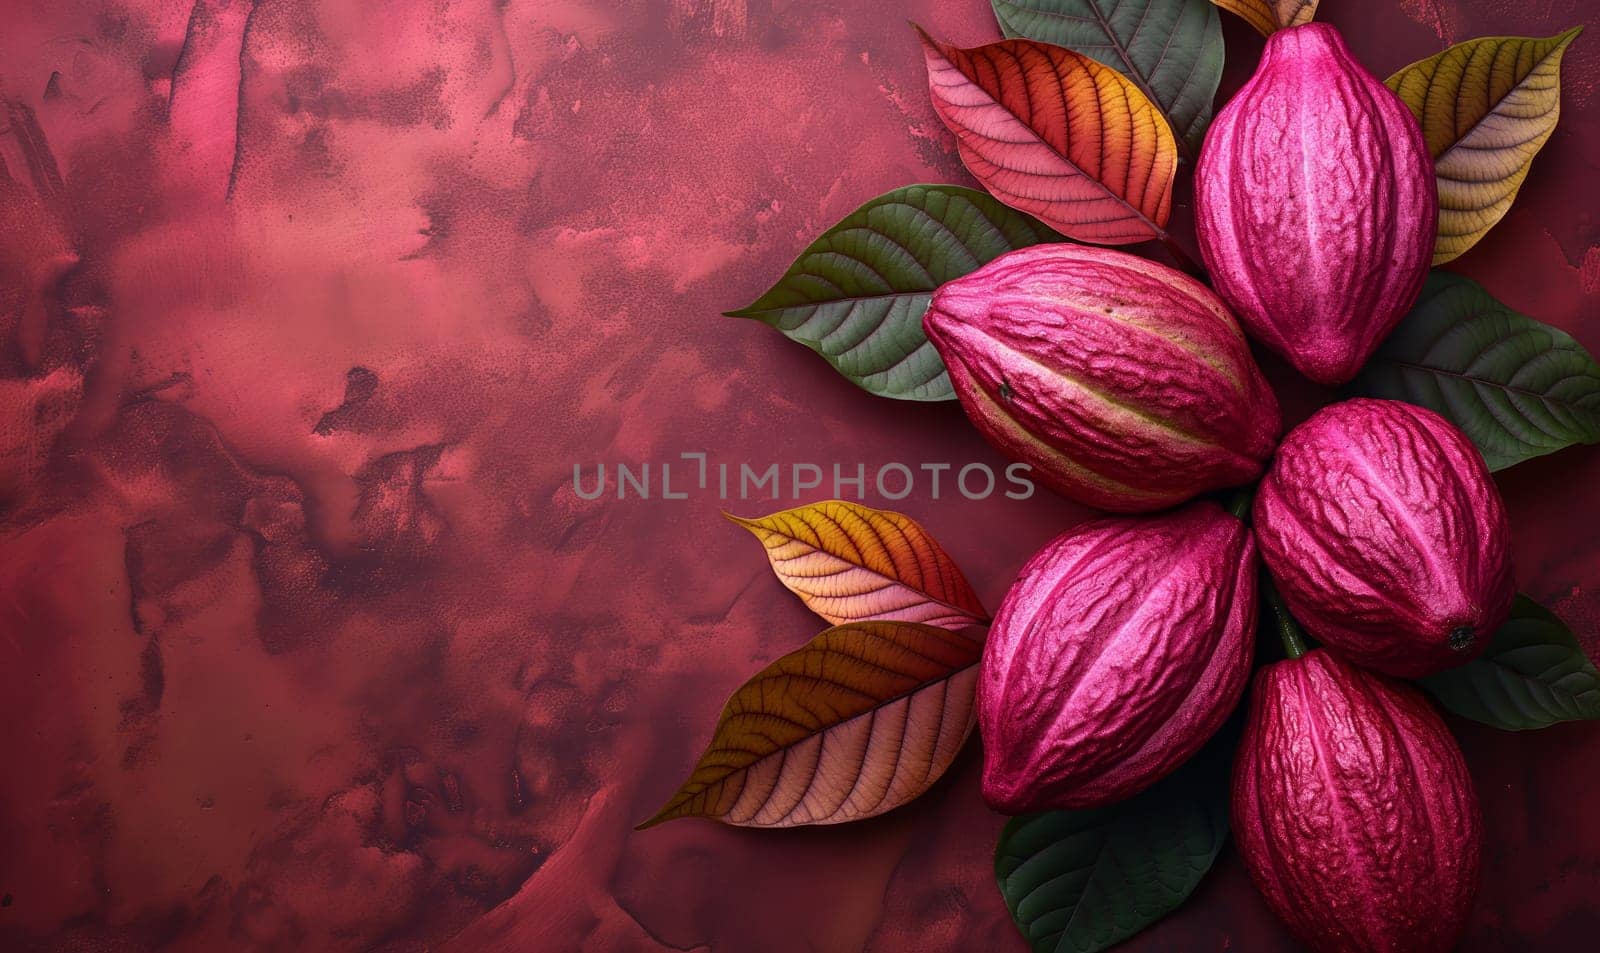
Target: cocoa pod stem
(1289, 631)
(1240, 502)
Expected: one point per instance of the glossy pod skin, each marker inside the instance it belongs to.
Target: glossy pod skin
(1316, 205)
(1126, 385)
(1121, 648)
(1353, 810)
(1387, 537)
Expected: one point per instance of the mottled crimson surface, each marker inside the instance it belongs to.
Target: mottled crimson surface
(308, 308)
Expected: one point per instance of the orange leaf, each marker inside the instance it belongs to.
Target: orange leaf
(849, 563)
(1270, 16)
(861, 720)
(1058, 135)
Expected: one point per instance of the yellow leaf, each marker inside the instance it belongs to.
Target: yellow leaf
(1486, 106)
(862, 719)
(849, 563)
(1270, 16)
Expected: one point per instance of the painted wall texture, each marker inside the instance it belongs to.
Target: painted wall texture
(307, 310)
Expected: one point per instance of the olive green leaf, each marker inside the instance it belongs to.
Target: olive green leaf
(856, 295)
(1082, 881)
(1486, 107)
(1171, 49)
(1533, 675)
(1518, 387)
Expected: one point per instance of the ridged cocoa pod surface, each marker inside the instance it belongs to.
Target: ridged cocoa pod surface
(1353, 810)
(1386, 535)
(1124, 384)
(1316, 205)
(1121, 648)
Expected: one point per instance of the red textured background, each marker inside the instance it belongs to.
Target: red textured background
(307, 309)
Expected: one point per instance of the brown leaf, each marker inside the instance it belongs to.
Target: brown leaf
(1270, 16)
(862, 719)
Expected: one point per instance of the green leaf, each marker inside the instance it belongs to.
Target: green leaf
(1518, 387)
(856, 295)
(1533, 675)
(1171, 49)
(1082, 881)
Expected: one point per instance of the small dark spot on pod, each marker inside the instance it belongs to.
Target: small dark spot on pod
(1461, 637)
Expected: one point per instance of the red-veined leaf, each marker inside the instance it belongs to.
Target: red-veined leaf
(1058, 135)
(1171, 49)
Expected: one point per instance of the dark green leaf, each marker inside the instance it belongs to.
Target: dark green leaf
(1082, 881)
(856, 295)
(1171, 49)
(1533, 675)
(1518, 387)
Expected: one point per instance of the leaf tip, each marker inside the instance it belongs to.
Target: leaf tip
(671, 811)
(659, 818)
(753, 525)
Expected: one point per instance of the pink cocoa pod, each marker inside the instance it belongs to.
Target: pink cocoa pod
(1386, 535)
(1316, 205)
(1124, 384)
(1353, 810)
(1121, 648)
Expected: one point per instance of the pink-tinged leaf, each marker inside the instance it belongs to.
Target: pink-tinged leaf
(1058, 135)
(850, 563)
